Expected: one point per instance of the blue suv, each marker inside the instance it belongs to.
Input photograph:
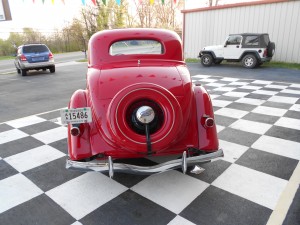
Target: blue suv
(34, 57)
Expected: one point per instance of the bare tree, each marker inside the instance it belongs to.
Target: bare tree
(158, 14)
(210, 2)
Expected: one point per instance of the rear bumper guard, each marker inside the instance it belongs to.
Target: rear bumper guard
(111, 167)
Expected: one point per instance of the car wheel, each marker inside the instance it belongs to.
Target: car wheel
(206, 60)
(271, 49)
(52, 69)
(18, 71)
(23, 72)
(249, 61)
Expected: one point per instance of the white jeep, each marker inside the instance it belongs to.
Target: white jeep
(251, 49)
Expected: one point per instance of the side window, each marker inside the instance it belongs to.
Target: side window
(252, 40)
(234, 40)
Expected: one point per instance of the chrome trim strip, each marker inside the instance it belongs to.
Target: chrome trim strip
(183, 163)
(111, 167)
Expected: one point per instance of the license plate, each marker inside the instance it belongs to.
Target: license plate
(75, 116)
(34, 59)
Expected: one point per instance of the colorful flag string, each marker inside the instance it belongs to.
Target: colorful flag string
(84, 2)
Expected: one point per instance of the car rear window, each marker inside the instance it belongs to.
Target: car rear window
(132, 47)
(35, 48)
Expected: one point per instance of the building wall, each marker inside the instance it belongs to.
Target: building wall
(279, 18)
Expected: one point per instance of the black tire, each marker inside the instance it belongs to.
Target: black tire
(271, 49)
(52, 69)
(249, 61)
(18, 71)
(206, 60)
(44, 69)
(218, 61)
(23, 73)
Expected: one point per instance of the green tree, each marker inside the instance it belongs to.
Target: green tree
(31, 36)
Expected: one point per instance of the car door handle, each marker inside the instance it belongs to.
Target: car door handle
(237, 46)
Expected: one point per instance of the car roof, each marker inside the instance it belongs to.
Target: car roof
(104, 39)
(250, 34)
(30, 45)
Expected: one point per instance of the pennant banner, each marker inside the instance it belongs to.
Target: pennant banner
(104, 2)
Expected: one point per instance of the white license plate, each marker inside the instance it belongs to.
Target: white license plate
(74, 116)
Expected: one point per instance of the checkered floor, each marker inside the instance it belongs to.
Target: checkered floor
(259, 130)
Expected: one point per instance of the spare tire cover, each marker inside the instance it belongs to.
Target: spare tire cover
(271, 49)
(127, 138)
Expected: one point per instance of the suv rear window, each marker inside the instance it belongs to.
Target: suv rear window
(130, 47)
(35, 48)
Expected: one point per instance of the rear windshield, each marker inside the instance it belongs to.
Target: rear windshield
(35, 48)
(131, 47)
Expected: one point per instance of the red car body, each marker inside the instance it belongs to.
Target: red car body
(122, 87)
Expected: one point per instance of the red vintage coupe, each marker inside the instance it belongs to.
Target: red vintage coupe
(139, 102)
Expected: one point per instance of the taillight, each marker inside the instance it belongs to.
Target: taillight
(265, 53)
(50, 55)
(23, 58)
(207, 121)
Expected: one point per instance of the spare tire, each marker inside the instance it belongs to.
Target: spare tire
(270, 49)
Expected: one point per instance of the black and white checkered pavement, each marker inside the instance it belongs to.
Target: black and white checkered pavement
(259, 131)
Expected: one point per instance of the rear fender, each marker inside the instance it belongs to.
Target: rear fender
(79, 146)
(207, 136)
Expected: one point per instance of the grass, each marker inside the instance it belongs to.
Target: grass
(295, 66)
(6, 57)
(272, 64)
(82, 60)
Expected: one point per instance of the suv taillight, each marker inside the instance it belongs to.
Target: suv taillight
(50, 55)
(265, 53)
(23, 58)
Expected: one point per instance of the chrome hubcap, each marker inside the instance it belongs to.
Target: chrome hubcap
(249, 62)
(206, 60)
(145, 114)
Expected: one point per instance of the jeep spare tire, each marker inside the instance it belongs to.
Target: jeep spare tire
(206, 60)
(271, 49)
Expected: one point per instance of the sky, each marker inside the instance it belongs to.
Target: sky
(46, 17)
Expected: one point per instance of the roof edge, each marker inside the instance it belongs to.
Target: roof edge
(234, 5)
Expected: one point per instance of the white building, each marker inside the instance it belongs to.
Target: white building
(210, 26)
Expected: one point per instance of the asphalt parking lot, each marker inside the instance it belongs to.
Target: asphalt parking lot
(257, 113)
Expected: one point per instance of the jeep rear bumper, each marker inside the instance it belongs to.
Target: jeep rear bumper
(110, 167)
(268, 59)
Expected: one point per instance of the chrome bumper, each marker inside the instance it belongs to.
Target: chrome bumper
(111, 167)
(34, 65)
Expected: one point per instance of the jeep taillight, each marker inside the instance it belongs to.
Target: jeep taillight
(50, 55)
(23, 58)
(265, 53)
